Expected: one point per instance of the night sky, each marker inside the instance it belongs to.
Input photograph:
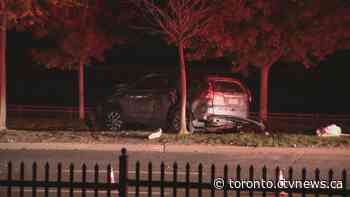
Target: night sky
(323, 89)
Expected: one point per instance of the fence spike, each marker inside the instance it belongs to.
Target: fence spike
(344, 179)
(162, 172)
(21, 193)
(47, 176)
(238, 178)
(109, 170)
(187, 189)
(200, 179)
(137, 177)
(71, 179)
(59, 179)
(124, 151)
(303, 177)
(277, 178)
(9, 177)
(34, 178)
(212, 191)
(251, 178)
(83, 190)
(290, 177)
(264, 172)
(175, 169)
(330, 178)
(150, 179)
(264, 177)
(225, 180)
(96, 173)
(317, 178)
(123, 173)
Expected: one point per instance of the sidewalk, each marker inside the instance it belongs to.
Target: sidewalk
(174, 148)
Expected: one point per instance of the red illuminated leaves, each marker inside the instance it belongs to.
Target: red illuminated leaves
(79, 35)
(302, 31)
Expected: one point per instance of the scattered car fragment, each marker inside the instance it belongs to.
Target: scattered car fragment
(330, 131)
(156, 134)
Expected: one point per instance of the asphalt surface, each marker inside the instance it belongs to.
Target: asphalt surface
(258, 158)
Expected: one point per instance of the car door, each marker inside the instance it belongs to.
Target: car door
(164, 96)
(144, 98)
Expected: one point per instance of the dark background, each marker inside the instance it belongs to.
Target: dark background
(323, 89)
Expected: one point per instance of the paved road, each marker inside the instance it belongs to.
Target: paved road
(297, 159)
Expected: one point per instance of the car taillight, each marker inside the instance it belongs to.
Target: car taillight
(209, 95)
(219, 99)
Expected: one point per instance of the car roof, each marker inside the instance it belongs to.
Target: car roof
(218, 78)
(209, 77)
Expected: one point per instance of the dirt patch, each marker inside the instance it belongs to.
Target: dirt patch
(89, 137)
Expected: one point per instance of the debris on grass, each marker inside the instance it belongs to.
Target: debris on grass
(331, 131)
(52, 130)
(155, 135)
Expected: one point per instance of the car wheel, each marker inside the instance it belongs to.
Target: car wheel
(175, 121)
(114, 121)
(90, 121)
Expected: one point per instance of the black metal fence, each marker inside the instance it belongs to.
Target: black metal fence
(149, 184)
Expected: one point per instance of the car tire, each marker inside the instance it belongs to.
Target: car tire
(114, 121)
(174, 120)
(91, 121)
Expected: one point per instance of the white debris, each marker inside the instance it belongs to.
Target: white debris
(281, 183)
(281, 177)
(112, 176)
(155, 135)
(329, 131)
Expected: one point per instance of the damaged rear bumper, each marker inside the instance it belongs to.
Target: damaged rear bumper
(227, 121)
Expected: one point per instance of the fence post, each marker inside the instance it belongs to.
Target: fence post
(123, 174)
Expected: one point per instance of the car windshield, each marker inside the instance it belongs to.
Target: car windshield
(227, 87)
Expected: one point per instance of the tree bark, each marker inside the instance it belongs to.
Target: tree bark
(264, 94)
(3, 71)
(183, 90)
(81, 91)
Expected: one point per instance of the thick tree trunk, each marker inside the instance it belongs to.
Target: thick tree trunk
(3, 71)
(81, 92)
(264, 94)
(183, 90)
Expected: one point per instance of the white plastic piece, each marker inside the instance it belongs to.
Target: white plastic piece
(329, 131)
(112, 176)
(156, 134)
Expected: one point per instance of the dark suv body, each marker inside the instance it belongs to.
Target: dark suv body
(214, 102)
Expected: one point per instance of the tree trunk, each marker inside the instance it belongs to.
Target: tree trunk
(183, 90)
(81, 91)
(264, 94)
(3, 71)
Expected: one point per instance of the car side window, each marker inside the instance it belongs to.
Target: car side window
(152, 83)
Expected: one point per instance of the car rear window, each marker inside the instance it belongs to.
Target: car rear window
(227, 87)
(153, 83)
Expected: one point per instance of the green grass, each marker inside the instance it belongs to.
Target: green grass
(258, 140)
(49, 124)
(252, 139)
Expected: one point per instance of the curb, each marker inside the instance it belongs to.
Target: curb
(175, 148)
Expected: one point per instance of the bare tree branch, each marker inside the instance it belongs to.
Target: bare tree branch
(179, 20)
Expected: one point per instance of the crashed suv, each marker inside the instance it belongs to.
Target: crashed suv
(214, 103)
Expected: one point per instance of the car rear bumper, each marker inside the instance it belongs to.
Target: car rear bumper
(214, 120)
